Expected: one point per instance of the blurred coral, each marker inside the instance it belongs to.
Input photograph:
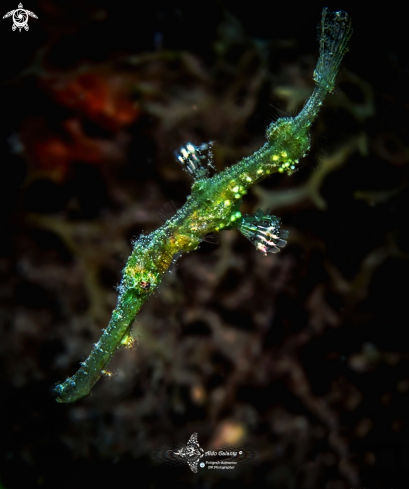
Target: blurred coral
(101, 97)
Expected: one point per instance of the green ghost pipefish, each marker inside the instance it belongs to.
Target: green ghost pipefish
(214, 205)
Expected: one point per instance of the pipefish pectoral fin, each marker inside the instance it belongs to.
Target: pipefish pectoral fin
(264, 231)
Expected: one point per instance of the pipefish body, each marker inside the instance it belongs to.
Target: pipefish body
(213, 206)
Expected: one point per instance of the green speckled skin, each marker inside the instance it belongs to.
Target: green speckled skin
(213, 205)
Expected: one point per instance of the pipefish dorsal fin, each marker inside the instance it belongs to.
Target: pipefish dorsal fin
(196, 160)
(265, 115)
(168, 210)
(213, 238)
(275, 113)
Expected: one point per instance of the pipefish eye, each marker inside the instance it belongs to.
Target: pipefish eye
(145, 285)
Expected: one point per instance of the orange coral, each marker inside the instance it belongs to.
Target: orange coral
(52, 152)
(102, 97)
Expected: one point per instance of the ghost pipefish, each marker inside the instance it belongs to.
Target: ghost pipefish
(214, 205)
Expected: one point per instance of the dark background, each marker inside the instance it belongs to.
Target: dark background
(301, 356)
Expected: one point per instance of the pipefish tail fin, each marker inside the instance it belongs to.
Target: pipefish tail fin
(335, 31)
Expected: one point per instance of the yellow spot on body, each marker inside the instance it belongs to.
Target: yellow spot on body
(128, 341)
(233, 218)
(275, 158)
(237, 196)
(268, 172)
(281, 170)
(284, 153)
(248, 179)
(259, 171)
(235, 189)
(221, 225)
(227, 202)
(238, 214)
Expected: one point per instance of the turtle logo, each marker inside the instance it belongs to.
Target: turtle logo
(20, 17)
(191, 452)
